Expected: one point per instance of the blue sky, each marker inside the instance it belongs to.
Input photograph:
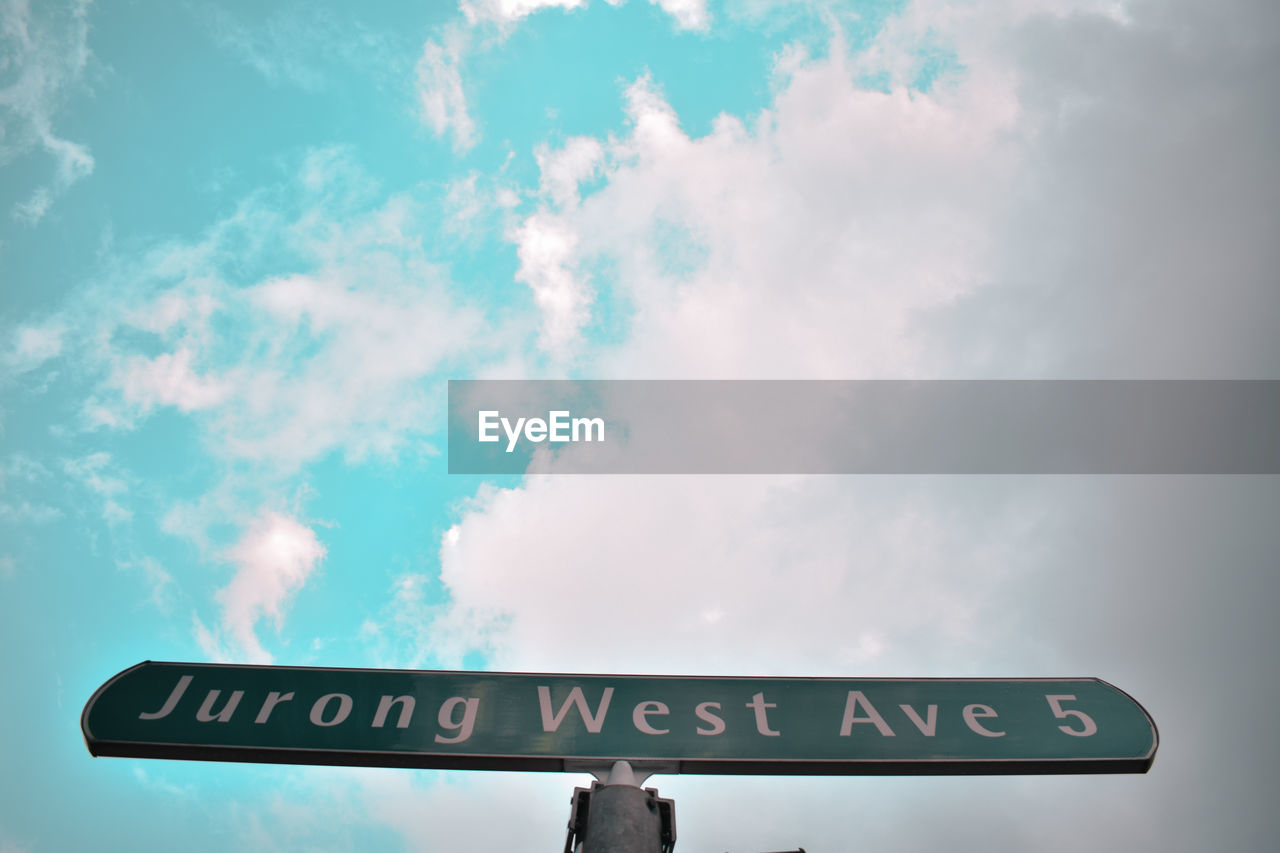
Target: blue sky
(244, 246)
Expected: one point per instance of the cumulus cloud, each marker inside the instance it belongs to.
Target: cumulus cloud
(734, 575)
(546, 250)
(274, 559)
(801, 245)
(564, 169)
(45, 54)
(856, 230)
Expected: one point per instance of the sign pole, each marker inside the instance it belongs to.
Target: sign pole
(616, 815)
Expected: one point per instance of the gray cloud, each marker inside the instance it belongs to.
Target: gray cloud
(1140, 242)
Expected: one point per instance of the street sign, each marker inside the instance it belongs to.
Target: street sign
(672, 724)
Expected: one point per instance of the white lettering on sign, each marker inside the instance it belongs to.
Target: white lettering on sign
(206, 713)
(458, 716)
(273, 699)
(559, 427)
(929, 725)
(640, 717)
(856, 698)
(703, 711)
(317, 710)
(169, 704)
(594, 722)
(406, 704)
(333, 709)
(972, 713)
(761, 708)
(1089, 727)
(463, 727)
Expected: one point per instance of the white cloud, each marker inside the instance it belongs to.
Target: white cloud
(72, 162)
(362, 388)
(33, 345)
(102, 476)
(159, 581)
(283, 368)
(741, 575)
(803, 245)
(274, 559)
(687, 14)
(46, 53)
(454, 812)
(507, 11)
(440, 92)
(564, 168)
(26, 512)
(168, 380)
(1086, 218)
(546, 250)
(299, 46)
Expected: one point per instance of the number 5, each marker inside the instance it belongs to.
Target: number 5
(1055, 702)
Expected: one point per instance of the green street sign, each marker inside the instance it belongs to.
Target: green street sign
(672, 724)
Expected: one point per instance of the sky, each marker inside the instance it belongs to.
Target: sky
(244, 246)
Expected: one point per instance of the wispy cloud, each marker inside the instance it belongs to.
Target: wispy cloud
(168, 380)
(298, 44)
(45, 54)
(440, 90)
(274, 559)
(282, 368)
(32, 345)
(102, 476)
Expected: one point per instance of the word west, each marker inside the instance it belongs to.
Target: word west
(649, 717)
(558, 427)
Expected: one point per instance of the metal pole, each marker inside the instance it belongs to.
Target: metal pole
(622, 817)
